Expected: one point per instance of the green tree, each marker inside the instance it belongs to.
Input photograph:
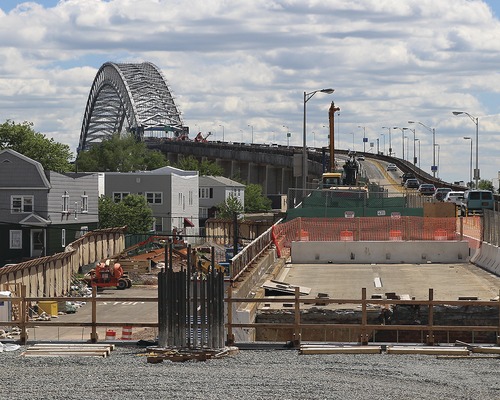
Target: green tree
(132, 211)
(227, 209)
(255, 201)
(22, 138)
(205, 168)
(485, 184)
(120, 153)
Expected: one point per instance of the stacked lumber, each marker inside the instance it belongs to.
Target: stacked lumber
(71, 349)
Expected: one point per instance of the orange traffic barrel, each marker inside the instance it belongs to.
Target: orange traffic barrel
(395, 235)
(347, 236)
(110, 334)
(127, 333)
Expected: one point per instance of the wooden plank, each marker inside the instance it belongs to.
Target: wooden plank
(486, 350)
(54, 353)
(341, 350)
(71, 345)
(67, 351)
(428, 350)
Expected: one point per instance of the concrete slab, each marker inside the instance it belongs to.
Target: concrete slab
(345, 281)
(457, 351)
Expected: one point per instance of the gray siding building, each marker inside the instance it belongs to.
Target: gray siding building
(171, 193)
(42, 211)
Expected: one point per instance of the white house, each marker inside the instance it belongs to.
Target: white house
(172, 194)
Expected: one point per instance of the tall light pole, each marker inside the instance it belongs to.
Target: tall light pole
(307, 97)
(402, 137)
(470, 167)
(476, 121)
(383, 135)
(288, 134)
(414, 153)
(390, 144)
(406, 138)
(222, 126)
(251, 126)
(364, 137)
(434, 167)
(439, 147)
(418, 140)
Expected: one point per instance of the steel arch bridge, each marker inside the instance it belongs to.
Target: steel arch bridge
(129, 97)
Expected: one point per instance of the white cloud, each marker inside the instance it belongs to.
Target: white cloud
(236, 63)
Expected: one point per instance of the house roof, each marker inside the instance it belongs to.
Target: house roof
(4, 155)
(219, 181)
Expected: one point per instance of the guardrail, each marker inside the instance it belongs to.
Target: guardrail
(241, 261)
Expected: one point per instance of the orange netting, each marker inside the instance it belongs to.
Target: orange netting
(370, 229)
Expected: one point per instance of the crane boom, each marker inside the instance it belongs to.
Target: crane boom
(331, 119)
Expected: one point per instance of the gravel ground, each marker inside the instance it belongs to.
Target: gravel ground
(251, 374)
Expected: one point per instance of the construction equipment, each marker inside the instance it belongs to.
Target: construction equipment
(106, 274)
(200, 138)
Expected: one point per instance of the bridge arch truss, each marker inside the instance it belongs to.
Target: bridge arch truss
(131, 98)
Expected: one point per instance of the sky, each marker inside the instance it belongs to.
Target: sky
(239, 65)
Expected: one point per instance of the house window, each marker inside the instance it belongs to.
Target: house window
(119, 196)
(206, 193)
(190, 197)
(85, 203)
(63, 237)
(21, 204)
(16, 239)
(203, 212)
(65, 203)
(180, 199)
(157, 225)
(154, 197)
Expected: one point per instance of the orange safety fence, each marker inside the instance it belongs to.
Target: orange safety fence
(367, 229)
(472, 230)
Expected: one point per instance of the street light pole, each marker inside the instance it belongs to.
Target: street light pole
(287, 136)
(403, 138)
(383, 135)
(364, 137)
(414, 145)
(433, 131)
(439, 147)
(390, 145)
(307, 97)
(418, 140)
(222, 132)
(476, 121)
(470, 167)
(251, 126)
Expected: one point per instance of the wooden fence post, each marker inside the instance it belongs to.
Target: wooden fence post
(364, 319)
(296, 328)
(430, 335)
(93, 334)
(23, 338)
(230, 335)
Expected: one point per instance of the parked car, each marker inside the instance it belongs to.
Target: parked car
(440, 193)
(361, 157)
(426, 189)
(412, 183)
(392, 167)
(475, 201)
(454, 197)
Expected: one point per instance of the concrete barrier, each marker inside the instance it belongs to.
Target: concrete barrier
(380, 252)
(488, 258)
